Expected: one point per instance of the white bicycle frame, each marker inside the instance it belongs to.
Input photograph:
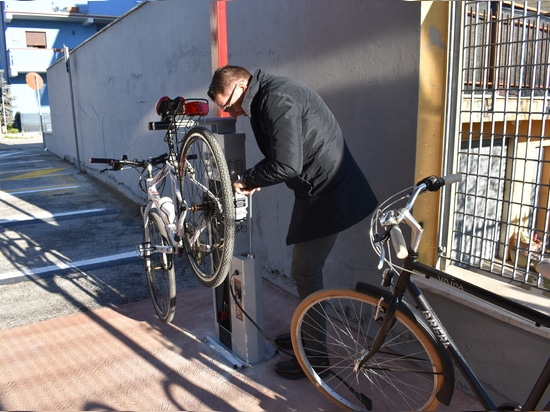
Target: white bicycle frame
(154, 198)
(176, 227)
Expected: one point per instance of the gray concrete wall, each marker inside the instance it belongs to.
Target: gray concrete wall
(158, 49)
(506, 353)
(362, 57)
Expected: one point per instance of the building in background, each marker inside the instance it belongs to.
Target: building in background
(33, 36)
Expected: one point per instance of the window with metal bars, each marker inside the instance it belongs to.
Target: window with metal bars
(502, 217)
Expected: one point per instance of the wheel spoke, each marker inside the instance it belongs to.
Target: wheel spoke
(209, 226)
(159, 264)
(336, 327)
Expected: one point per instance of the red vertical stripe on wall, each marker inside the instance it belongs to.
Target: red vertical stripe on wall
(218, 29)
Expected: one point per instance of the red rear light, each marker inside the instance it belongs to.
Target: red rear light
(196, 108)
(179, 106)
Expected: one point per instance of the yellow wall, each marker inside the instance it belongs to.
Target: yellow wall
(431, 109)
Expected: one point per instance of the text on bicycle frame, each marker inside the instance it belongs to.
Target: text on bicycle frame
(436, 328)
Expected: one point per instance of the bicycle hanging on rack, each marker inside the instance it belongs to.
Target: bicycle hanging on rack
(369, 348)
(196, 216)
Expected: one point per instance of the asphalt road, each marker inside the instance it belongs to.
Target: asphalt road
(68, 243)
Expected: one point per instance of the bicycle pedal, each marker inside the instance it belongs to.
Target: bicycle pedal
(142, 248)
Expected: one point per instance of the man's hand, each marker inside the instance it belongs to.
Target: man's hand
(242, 189)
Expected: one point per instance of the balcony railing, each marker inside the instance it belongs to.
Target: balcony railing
(31, 60)
(506, 49)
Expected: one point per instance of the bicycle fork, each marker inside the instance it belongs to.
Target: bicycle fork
(394, 301)
(385, 327)
(145, 249)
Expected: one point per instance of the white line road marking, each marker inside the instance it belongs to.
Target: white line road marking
(14, 152)
(47, 215)
(22, 192)
(11, 153)
(40, 272)
(21, 162)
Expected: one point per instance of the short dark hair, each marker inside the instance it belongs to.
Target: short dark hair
(224, 77)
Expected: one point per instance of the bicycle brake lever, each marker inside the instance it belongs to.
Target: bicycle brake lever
(382, 255)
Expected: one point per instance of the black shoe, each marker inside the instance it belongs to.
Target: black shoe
(291, 369)
(284, 342)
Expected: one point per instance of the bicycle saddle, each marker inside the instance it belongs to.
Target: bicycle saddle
(167, 107)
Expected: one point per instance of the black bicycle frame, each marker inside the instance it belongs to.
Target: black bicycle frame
(526, 312)
(438, 328)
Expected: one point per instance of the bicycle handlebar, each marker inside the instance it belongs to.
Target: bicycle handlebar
(391, 219)
(431, 184)
(101, 160)
(434, 183)
(398, 242)
(118, 164)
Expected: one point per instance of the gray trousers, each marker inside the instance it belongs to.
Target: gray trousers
(308, 259)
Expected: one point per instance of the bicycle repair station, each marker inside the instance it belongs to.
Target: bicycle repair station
(238, 301)
(199, 215)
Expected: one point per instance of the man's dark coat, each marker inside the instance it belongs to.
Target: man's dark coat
(304, 147)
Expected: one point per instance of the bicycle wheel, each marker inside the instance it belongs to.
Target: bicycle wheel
(160, 268)
(209, 225)
(332, 328)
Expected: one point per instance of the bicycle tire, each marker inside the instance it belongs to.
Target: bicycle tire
(406, 373)
(209, 224)
(159, 268)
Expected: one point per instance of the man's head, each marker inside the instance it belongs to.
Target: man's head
(227, 89)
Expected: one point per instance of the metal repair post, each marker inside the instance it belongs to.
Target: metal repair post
(238, 301)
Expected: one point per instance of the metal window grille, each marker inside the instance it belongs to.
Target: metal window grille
(501, 211)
